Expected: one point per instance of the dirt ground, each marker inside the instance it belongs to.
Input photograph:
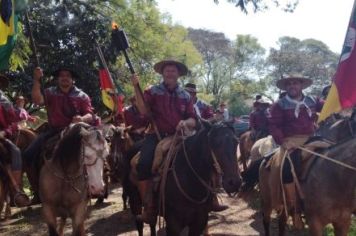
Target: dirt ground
(109, 219)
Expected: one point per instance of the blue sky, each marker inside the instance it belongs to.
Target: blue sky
(324, 20)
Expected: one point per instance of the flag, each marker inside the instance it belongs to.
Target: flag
(342, 93)
(113, 98)
(8, 30)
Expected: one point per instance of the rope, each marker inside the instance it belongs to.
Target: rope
(329, 159)
(281, 181)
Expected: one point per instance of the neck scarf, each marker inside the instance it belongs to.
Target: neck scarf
(298, 104)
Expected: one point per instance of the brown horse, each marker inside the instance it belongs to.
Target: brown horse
(5, 160)
(71, 176)
(329, 188)
(187, 192)
(245, 145)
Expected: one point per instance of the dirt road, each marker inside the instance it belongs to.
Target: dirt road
(109, 219)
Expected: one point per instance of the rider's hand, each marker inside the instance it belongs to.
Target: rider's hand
(2, 134)
(181, 125)
(77, 119)
(135, 79)
(37, 73)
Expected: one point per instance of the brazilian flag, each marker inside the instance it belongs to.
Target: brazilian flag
(9, 10)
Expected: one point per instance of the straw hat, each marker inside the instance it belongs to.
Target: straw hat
(282, 83)
(182, 69)
(261, 101)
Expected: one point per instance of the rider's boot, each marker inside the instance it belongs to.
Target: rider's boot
(19, 197)
(33, 179)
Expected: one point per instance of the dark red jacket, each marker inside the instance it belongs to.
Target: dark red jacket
(62, 107)
(259, 120)
(283, 122)
(8, 116)
(169, 107)
(134, 118)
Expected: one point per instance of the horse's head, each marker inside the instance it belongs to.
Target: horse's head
(95, 151)
(336, 128)
(223, 143)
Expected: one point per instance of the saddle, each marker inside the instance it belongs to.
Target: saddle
(160, 156)
(49, 146)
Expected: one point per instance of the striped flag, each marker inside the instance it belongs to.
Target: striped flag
(342, 93)
(112, 99)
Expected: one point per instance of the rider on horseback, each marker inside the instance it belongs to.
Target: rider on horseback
(8, 127)
(65, 104)
(258, 119)
(291, 122)
(134, 119)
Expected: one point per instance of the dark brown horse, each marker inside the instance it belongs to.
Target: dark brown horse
(122, 151)
(329, 188)
(71, 176)
(188, 191)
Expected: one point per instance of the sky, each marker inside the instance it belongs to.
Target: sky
(324, 20)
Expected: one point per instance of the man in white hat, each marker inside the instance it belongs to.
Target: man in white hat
(291, 122)
(172, 109)
(258, 119)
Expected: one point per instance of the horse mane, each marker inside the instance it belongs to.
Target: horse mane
(69, 147)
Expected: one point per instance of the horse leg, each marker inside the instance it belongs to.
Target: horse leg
(174, 227)
(341, 228)
(282, 222)
(139, 226)
(50, 219)
(266, 215)
(153, 229)
(61, 226)
(315, 226)
(198, 227)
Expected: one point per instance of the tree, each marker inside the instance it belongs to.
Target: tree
(308, 57)
(260, 5)
(66, 33)
(216, 51)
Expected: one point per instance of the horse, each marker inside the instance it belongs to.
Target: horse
(245, 146)
(122, 151)
(187, 192)
(328, 188)
(72, 175)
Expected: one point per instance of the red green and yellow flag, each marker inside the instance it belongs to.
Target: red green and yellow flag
(342, 93)
(112, 99)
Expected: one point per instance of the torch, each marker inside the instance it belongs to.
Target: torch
(121, 42)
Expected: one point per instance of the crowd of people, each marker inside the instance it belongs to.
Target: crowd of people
(290, 121)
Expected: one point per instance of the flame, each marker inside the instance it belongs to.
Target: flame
(114, 25)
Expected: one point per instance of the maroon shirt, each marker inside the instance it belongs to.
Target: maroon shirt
(169, 107)
(206, 112)
(8, 116)
(134, 118)
(283, 122)
(259, 120)
(62, 107)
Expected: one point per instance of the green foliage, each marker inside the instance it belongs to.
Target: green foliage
(66, 33)
(261, 5)
(309, 57)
